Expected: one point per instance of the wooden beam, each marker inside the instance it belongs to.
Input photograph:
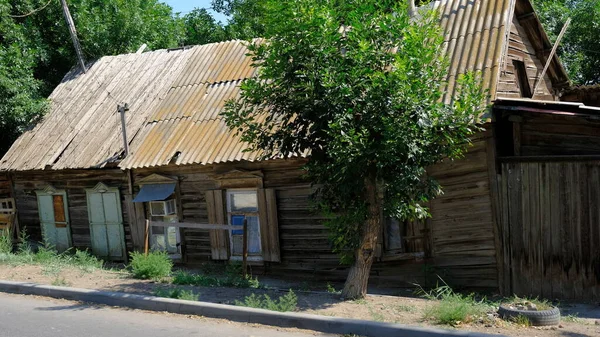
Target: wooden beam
(549, 158)
(193, 225)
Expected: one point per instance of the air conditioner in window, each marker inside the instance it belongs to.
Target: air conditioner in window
(162, 208)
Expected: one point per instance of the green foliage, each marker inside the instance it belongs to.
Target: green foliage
(177, 293)
(60, 282)
(572, 318)
(365, 103)
(524, 301)
(453, 308)
(331, 289)
(229, 280)
(521, 320)
(153, 266)
(287, 302)
(202, 28)
(6, 245)
(246, 17)
(580, 47)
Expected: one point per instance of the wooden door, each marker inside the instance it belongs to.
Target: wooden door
(106, 223)
(54, 218)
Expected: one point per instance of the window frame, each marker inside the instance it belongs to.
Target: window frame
(230, 213)
(522, 79)
(175, 256)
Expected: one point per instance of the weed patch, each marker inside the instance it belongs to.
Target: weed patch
(287, 302)
(229, 280)
(153, 266)
(60, 282)
(521, 320)
(177, 294)
(454, 308)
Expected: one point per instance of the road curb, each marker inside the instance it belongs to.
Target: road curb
(324, 324)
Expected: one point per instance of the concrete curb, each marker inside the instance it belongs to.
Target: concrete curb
(324, 324)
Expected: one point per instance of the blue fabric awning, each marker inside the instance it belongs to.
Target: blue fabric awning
(154, 192)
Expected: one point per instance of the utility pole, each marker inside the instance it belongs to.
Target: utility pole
(73, 32)
(122, 109)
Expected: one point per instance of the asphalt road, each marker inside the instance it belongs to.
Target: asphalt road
(28, 316)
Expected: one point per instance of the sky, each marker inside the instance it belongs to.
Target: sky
(185, 6)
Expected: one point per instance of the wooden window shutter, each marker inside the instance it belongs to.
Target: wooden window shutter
(219, 240)
(269, 227)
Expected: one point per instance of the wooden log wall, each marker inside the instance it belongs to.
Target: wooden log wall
(75, 183)
(520, 49)
(462, 223)
(551, 228)
(5, 189)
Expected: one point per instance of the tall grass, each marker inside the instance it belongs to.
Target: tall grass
(454, 308)
(45, 255)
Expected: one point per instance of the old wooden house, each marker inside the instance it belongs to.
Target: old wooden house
(520, 212)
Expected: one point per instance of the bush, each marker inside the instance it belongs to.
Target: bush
(287, 302)
(86, 261)
(177, 294)
(154, 266)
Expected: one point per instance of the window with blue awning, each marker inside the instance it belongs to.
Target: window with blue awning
(154, 192)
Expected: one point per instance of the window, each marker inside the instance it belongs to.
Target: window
(165, 238)
(243, 204)
(162, 208)
(521, 73)
(403, 239)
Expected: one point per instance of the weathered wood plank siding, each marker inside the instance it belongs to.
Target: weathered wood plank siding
(463, 241)
(75, 182)
(5, 189)
(462, 221)
(553, 226)
(547, 135)
(520, 49)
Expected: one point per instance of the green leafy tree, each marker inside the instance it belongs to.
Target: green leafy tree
(202, 28)
(36, 49)
(20, 98)
(580, 47)
(358, 85)
(246, 17)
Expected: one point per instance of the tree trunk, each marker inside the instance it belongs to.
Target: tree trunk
(358, 276)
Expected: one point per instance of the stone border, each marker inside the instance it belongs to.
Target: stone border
(324, 324)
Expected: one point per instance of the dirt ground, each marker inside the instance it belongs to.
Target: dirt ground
(403, 308)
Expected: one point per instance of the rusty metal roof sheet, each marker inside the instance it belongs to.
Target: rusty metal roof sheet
(176, 97)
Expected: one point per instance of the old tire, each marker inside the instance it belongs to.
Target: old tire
(537, 318)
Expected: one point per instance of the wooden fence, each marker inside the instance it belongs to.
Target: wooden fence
(551, 228)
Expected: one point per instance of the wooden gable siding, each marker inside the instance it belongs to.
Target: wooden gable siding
(520, 49)
(75, 184)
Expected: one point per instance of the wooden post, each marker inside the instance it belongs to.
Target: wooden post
(245, 248)
(147, 237)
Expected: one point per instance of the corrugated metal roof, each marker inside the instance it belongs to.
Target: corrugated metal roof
(176, 98)
(83, 128)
